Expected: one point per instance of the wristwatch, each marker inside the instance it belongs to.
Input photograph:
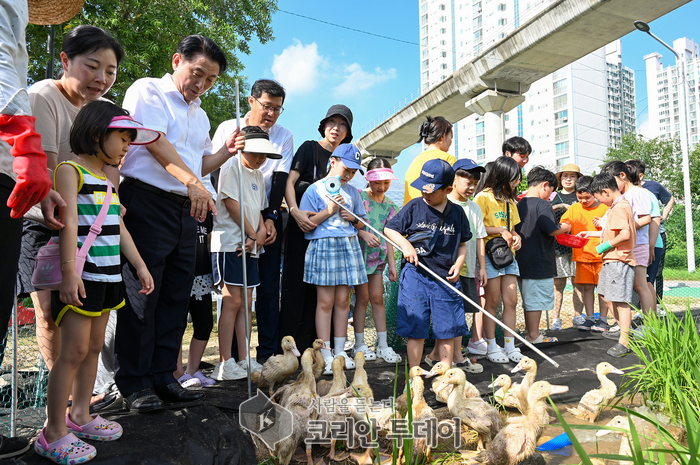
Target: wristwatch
(354, 222)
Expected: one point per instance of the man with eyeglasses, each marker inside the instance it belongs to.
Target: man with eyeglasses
(266, 99)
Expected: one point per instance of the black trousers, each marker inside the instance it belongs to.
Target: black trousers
(10, 239)
(267, 300)
(659, 283)
(298, 309)
(150, 328)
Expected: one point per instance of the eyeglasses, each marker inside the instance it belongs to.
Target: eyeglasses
(269, 109)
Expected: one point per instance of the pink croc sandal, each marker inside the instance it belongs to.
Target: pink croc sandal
(67, 450)
(98, 429)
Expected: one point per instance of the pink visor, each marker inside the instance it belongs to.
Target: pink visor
(143, 135)
(381, 174)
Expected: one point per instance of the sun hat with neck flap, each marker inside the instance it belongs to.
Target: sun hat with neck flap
(569, 167)
(49, 12)
(340, 110)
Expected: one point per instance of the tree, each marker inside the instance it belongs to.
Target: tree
(663, 159)
(149, 31)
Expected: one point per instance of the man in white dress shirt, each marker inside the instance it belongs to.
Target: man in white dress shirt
(164, 197)
(266, 100)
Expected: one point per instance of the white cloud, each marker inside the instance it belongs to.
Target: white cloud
(296, 68)
(356, 79)
(643, 126)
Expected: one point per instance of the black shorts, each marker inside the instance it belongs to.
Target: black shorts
(34, 236)
(469, 289)
(101, 298)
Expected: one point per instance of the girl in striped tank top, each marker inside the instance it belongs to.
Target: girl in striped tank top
(100, 135)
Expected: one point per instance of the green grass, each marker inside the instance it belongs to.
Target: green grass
(681, 274)
(646, 450)
(668, 376)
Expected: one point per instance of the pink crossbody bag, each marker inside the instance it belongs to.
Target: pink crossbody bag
(47, 271)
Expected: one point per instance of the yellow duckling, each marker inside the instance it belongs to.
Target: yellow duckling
(359, 386)
(277, 369)
(319, 362)
(440, 369)
(329, 412)
(518, 440)
(302, 403)
(592, 402)
(505, 395)
(473, 412)
(422, 413)
(520, 390)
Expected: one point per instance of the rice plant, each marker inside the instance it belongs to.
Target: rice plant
(668, 376)
(644, 448)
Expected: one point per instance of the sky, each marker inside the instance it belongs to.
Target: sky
(322, 64)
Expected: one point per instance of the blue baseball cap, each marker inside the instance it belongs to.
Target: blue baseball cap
(467, 164)
(434, 175)
(351, 156)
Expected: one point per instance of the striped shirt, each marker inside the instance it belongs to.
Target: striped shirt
(103, 261)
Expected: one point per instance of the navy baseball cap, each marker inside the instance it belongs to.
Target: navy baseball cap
(351, 156)
(467, 164)
(434, 175)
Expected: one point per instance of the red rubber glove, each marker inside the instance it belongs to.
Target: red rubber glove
(33, 181)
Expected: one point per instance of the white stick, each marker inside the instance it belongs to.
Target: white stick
(243, 257)
(448, 284)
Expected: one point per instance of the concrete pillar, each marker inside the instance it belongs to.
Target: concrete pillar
(494, 133)
(492, 105)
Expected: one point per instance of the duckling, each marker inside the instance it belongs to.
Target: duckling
(339, 381)
(473, 412)
(592, 402)
(277, 369)
(518, 441)
(301, 402)
(620, 421)
(421, 413)
(319, 361)
(330, 413)
(505, 395)
(440, 369)
(530, 367)
(359, 383)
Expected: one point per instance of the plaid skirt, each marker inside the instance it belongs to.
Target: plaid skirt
(334, 261)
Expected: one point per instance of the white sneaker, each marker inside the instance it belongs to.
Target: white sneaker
(556, 324)
(349, 362)
(348, 345)
(231, 370)
(477, 348)
(578, 320)
(218, 371)
(254, 365)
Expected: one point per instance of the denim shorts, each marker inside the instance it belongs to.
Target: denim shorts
(492, 272)
(422, 299)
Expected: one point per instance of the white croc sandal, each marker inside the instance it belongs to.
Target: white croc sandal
(497, 356)
(515, 356)
(349, 362)
(388, 355)
(369, 353)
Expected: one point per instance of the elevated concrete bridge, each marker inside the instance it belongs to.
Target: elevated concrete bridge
(561, 34)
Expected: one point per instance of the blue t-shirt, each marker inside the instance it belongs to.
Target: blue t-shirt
(315, 200)
(417, 216)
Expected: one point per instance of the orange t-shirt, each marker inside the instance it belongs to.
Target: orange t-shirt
(618, 218)
(581, 219)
